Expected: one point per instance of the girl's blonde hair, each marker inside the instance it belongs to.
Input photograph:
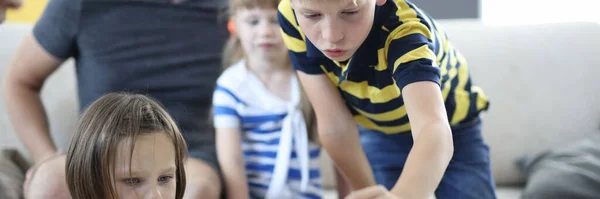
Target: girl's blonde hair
(233, 48)
(234, 52)
(102, 126)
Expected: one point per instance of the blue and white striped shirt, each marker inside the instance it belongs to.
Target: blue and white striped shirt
(242, 101)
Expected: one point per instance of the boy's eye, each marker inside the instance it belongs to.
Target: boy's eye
(132, 181)
(311, 16)
(165, 179)
(350, 12)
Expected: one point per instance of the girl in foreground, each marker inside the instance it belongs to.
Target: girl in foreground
(126, 146)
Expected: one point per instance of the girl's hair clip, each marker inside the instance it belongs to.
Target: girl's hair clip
(231, 27)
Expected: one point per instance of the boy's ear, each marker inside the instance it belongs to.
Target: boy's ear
(380, 2)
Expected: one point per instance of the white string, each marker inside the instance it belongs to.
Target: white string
(293, 127)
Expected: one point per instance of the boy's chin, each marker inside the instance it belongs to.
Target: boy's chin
(340, 58)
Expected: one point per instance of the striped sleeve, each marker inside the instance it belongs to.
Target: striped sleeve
(295, 41)
(411, 54)
(225, 114)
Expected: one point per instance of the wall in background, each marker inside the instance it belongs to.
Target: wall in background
(450, 9)
(439, 9)
(496, 12)
(28, 13)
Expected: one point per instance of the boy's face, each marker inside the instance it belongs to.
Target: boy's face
(153, 168)
(336, 27)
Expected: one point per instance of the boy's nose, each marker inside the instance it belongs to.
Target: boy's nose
(332, 34)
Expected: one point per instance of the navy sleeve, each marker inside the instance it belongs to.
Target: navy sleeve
(410, 53)
(57, 27)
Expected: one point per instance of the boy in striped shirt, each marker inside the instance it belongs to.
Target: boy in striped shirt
(379, 63)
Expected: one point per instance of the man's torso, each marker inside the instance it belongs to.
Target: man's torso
(171, 52)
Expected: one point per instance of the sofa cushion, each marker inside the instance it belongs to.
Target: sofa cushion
(570, 171)
(509, 192)
(12, 174)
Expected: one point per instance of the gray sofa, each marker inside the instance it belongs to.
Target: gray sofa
(542, 80)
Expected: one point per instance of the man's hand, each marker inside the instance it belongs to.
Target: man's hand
(10, 4)
(47, 179)
(372, 192)
(4, 4)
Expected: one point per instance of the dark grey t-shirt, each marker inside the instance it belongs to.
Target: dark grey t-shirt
(169, 51)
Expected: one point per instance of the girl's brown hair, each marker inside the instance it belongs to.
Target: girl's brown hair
(234, 52)
(103, 125)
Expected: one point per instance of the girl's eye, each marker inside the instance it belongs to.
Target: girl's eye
(275, 21)
(132, 181)
(253, 22)
(165, 179)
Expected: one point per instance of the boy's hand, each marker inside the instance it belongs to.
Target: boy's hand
(372, 192)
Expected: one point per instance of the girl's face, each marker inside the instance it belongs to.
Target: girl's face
(153, 168)
(258, 31)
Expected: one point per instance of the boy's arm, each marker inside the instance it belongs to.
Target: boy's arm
(343, 188)
(338, 131)
(229, 153)
(433, 146)
(411, 54)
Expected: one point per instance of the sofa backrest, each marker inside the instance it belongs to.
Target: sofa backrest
(541, 79)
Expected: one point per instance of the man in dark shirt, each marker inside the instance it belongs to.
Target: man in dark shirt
(169, 50)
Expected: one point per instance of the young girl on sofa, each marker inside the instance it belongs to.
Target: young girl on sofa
(126, 146)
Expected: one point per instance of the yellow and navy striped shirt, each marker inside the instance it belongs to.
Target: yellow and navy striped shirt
(405, 45)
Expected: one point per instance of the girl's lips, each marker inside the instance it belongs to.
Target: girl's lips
(266, 45)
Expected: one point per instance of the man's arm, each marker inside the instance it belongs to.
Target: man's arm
(24, 79)
(338, 131)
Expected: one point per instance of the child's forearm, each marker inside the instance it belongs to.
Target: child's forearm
(235, 183)
(346, 152)
(426, 163)
(343, 188)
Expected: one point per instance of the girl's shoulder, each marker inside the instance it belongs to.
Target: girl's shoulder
(234, 76)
